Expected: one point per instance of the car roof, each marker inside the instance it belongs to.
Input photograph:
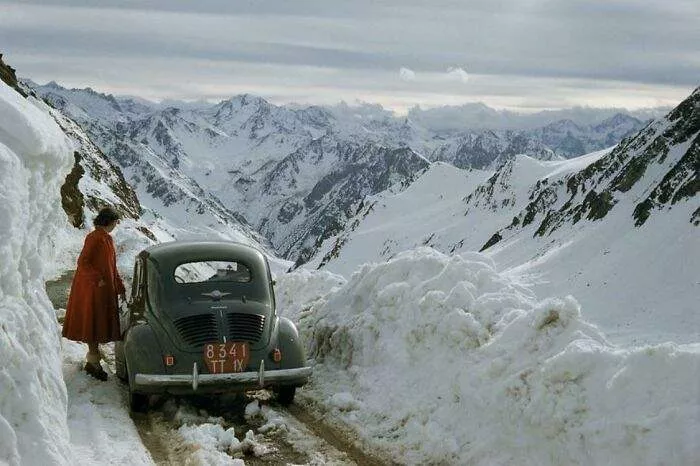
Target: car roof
(178, 252)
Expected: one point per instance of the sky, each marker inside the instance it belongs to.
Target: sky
(523, 55)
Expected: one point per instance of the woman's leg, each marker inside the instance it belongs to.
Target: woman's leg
(93, 366)
(93, 355)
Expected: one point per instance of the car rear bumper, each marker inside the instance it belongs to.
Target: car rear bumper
(216, 382)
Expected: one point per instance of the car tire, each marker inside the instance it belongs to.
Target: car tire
(119, 363)
(285, 394)
(138, 402)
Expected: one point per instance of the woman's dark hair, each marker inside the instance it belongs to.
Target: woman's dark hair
(105, 216)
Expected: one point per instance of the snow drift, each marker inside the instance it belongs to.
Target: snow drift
(35, 157)
(436, 359)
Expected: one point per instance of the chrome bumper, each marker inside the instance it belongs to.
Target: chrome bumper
(261, 378)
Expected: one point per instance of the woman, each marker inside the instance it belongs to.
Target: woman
(92, 311)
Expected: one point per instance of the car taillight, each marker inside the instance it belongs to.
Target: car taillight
(169, 360)
(276, 355)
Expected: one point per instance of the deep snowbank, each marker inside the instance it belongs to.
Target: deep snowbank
(439, 359)
(34, 160)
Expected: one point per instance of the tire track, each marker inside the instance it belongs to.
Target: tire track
(334, 437)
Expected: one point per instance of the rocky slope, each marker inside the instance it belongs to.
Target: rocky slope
(9, 77)
(651, 171)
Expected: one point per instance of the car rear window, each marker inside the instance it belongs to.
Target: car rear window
(213, 271)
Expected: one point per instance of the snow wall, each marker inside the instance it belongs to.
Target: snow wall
(435, 359)
(35, 158)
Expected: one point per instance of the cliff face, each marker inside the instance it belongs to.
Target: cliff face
(7, 74)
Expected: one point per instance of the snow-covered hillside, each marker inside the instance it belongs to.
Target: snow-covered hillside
(446, 208)
(616, 228)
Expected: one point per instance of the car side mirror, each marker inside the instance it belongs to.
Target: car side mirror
(274, 282)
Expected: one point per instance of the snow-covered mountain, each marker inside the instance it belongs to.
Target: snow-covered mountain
(650, 172)
(610, 227)
(294, 174)
(556, 141)
(168, 195)
(452, 119)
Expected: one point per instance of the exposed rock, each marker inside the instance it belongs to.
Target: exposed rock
(72, 199)
(7, 74)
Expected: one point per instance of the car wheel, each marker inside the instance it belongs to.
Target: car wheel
(138, 402)
(285, 394)
(119, 363)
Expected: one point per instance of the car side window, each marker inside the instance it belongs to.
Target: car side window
(213, 271)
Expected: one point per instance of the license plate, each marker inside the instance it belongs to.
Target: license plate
(226, 357)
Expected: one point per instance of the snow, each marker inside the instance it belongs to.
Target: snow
(98, 421)
(437, 359)
(638, 285)
(573, 165)
(214, 443)
(35, 156)
(50, 412)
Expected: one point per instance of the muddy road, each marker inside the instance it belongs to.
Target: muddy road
(272, 435)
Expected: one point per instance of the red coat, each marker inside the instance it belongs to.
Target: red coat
(92, 311)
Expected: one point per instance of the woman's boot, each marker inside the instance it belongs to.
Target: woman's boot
(93, 366)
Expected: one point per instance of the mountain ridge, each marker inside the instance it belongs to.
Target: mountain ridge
(232, 153)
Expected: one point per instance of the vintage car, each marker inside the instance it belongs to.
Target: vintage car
(201, 319)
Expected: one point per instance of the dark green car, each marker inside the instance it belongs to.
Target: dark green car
(201, 319)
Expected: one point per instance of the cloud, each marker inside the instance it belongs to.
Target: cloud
(407, 74)
(295, 49)
(457, 74)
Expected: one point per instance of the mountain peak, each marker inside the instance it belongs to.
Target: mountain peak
(618, 119)
(244, 100)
